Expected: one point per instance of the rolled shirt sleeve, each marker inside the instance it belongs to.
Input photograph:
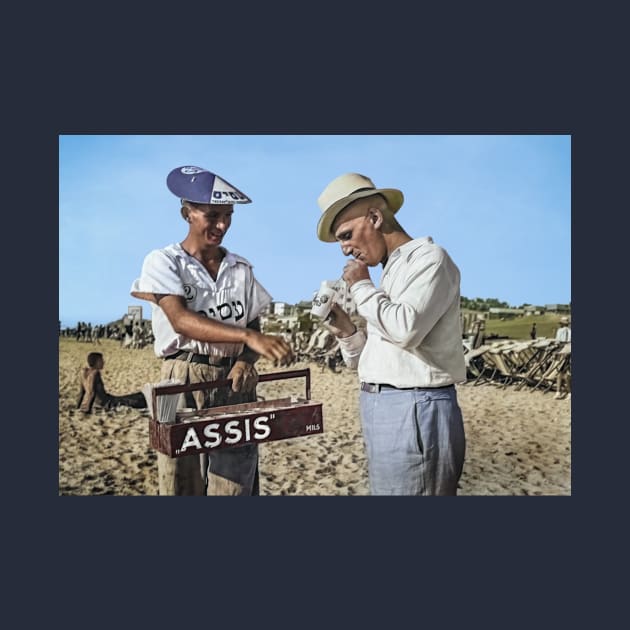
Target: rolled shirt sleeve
(160, 274)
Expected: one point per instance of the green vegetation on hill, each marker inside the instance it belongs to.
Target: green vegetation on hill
(519, 327)
(482, 304)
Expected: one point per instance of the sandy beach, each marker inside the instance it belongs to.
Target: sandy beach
(518, 442)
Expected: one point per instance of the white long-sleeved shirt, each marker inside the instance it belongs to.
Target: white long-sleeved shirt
(414, 334)
(563, 334)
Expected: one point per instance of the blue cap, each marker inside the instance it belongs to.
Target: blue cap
(195, 184)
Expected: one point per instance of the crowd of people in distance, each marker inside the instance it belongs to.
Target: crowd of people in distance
(131, 333)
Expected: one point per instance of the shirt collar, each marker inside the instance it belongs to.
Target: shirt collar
(407, 248)
(229, 259)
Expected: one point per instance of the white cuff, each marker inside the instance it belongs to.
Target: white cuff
(353, 343)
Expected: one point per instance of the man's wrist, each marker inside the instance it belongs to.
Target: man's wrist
(248, 333)
(248, 355)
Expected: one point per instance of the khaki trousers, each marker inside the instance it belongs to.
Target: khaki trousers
(226, 472)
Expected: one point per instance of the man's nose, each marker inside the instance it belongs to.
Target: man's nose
(346, 250)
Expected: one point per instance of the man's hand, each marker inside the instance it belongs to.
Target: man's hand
(271, 347)
(339, 322)
(244, 377)
(354, 271)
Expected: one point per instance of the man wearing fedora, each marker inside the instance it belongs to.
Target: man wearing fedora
(413, 353)
(563, 379)
(563, 334)
(205, 305)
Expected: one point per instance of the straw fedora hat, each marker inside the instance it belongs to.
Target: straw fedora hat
(341, 192)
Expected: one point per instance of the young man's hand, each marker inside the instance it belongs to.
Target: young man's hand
(272, 347)
(244, 377)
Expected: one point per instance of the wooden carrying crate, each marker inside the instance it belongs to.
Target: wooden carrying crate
(204, 430)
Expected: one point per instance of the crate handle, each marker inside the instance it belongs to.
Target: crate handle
(192, 387)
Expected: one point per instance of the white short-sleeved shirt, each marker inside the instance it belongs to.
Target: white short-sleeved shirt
(235, 297)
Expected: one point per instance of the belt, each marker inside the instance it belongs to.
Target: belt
(191, 357)
(375, 388)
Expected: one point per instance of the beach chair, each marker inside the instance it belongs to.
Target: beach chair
(314, 343)
(483, 363)
(474, 361)
(520, 355)
(504, 369)
(559, 362)
(538, 363)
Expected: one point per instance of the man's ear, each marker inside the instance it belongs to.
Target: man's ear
(184, 210)
(375, 216)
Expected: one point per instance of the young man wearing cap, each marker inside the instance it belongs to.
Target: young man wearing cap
(413, 354)
(205, 305)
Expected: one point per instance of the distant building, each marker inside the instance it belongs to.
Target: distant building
(288, 321)
(135, 312)
(533, 310)
(558, 308)
(468, 318)
(496, 312)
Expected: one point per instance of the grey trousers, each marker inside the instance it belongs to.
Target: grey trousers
(414, 440)
(230, 471)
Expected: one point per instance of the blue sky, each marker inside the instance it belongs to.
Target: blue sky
(500, 205)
